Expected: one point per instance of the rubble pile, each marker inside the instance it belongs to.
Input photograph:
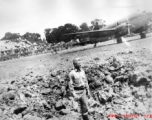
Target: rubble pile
(114, 92)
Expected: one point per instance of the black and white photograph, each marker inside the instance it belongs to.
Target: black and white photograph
(75, 59)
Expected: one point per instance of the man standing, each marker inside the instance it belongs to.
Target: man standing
(79, 87)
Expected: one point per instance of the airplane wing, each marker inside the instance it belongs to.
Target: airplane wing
(93, 31)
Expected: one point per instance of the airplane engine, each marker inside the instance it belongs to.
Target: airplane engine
(121, 30)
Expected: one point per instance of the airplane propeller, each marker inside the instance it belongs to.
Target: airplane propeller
(128, 26)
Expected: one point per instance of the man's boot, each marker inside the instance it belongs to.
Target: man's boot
(85, 117)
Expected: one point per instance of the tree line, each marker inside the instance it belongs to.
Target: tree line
(32, 37)
(55, 35)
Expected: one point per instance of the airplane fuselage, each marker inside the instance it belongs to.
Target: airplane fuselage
(134, 23)
(139, 23)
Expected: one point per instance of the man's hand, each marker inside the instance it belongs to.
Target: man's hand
(76, 97)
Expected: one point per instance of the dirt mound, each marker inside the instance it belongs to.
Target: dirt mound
(116, 91)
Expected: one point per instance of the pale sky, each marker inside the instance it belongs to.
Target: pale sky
(21, 16)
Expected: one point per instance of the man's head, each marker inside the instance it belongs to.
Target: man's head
(76, 63)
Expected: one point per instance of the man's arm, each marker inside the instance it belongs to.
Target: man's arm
(71, 84)
(87, 85)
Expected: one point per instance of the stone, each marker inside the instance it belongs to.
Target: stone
(73, 116)
(19, 110)
(54, 73)
(47, 115)
(120, 78)
(149, 94)
(102, 76)
(109, 79)
(65, 111)
(34, 81)
(40, 78)
(117, 101)
(143, 81)
(97, 58)
(9, 96)
(45, 91)
(28, 110)
(31, 117)
(59, 105)
(3, 88)
(27, 94)
(56, 118)
(60, 79)
(95, 84)
(133, 77)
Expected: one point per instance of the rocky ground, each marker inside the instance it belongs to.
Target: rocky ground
(36, 87)
(15, 44)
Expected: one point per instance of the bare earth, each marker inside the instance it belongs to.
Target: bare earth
(139, 49)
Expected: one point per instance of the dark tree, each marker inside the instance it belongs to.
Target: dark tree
(32, 37)
(11, 36)
(84, 27)
(97, 24)
(69, 28)
(56, 35)
(50, 35)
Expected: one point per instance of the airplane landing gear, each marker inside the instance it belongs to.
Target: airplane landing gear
(95, 45)
(119, 40)
(142, 35)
